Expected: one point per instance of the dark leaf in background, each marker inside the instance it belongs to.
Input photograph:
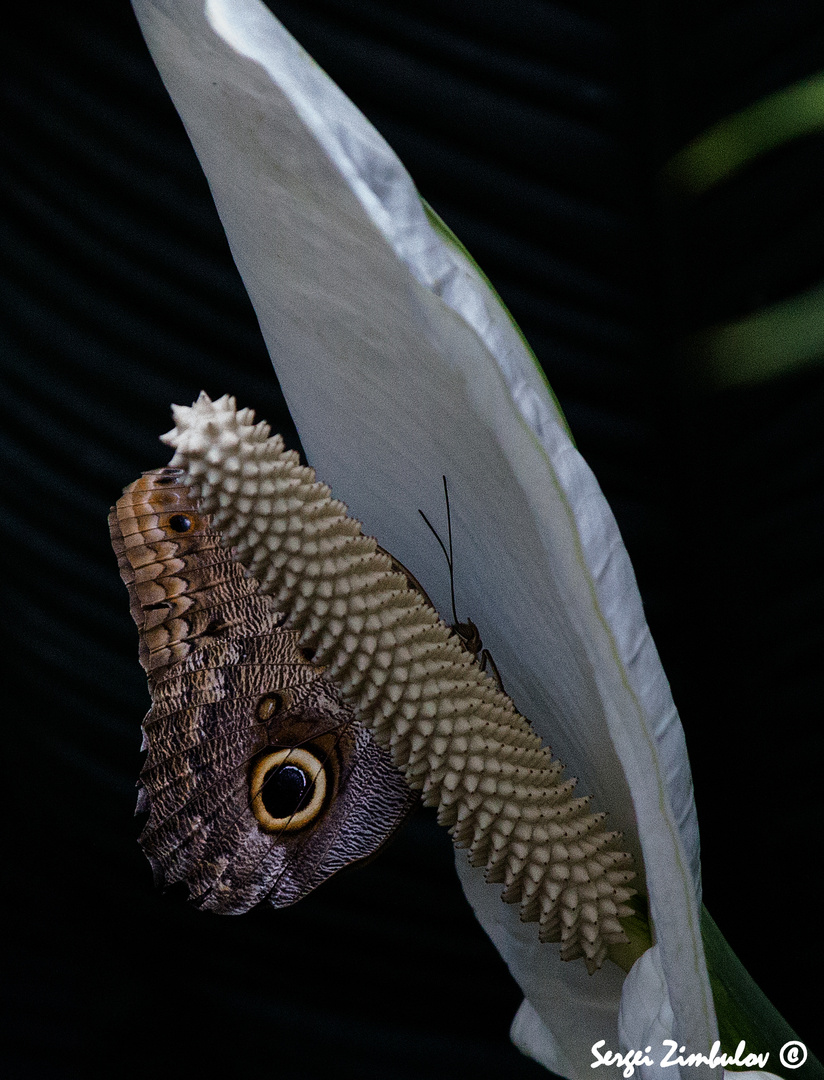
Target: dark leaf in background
(540, 132)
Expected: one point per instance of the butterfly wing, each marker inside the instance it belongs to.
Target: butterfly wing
(259, 781)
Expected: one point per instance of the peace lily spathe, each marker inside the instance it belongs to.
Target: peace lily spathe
(399, 365)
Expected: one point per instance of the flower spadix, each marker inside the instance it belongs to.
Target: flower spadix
(450, 730)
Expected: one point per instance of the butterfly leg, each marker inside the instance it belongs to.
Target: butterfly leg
(488, 664)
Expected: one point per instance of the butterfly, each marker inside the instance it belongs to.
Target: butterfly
(259, 781)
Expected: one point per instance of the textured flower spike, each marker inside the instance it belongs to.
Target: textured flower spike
(450, 730)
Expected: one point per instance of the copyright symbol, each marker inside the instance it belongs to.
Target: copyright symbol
(792, 1055)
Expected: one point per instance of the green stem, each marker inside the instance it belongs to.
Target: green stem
(744, 1012)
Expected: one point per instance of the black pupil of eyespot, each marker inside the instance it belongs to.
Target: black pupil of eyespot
(285, 790)
(180, 523)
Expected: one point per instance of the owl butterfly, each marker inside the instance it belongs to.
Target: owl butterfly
(260, 782)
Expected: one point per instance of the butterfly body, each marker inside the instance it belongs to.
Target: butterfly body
(259, 781)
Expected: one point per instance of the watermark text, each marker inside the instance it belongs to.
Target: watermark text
(792, 1056)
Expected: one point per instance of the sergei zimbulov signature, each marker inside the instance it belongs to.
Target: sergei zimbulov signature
(792, 1055)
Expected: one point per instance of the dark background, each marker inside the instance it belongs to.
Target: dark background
(538, 131)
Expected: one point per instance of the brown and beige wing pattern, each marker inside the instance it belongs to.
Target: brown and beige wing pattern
(259, 781)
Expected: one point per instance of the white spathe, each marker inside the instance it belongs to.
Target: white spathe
(399, 365)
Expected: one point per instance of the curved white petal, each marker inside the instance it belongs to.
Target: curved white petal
(646, 1015)
(646, 1022)
(399, 365)
(565, 1010)
(749, 1074)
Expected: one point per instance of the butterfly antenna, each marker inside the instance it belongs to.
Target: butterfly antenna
(447, 554)
(451, 564)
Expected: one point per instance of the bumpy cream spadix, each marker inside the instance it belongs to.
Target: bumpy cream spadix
(450, 730)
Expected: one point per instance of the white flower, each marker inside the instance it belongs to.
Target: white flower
(399, 365)
(450, 728)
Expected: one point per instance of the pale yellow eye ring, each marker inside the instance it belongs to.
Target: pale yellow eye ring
(314, 775)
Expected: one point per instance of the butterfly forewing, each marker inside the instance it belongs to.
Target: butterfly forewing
(259, 780)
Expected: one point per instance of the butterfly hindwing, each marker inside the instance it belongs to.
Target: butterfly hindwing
(259, 780)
